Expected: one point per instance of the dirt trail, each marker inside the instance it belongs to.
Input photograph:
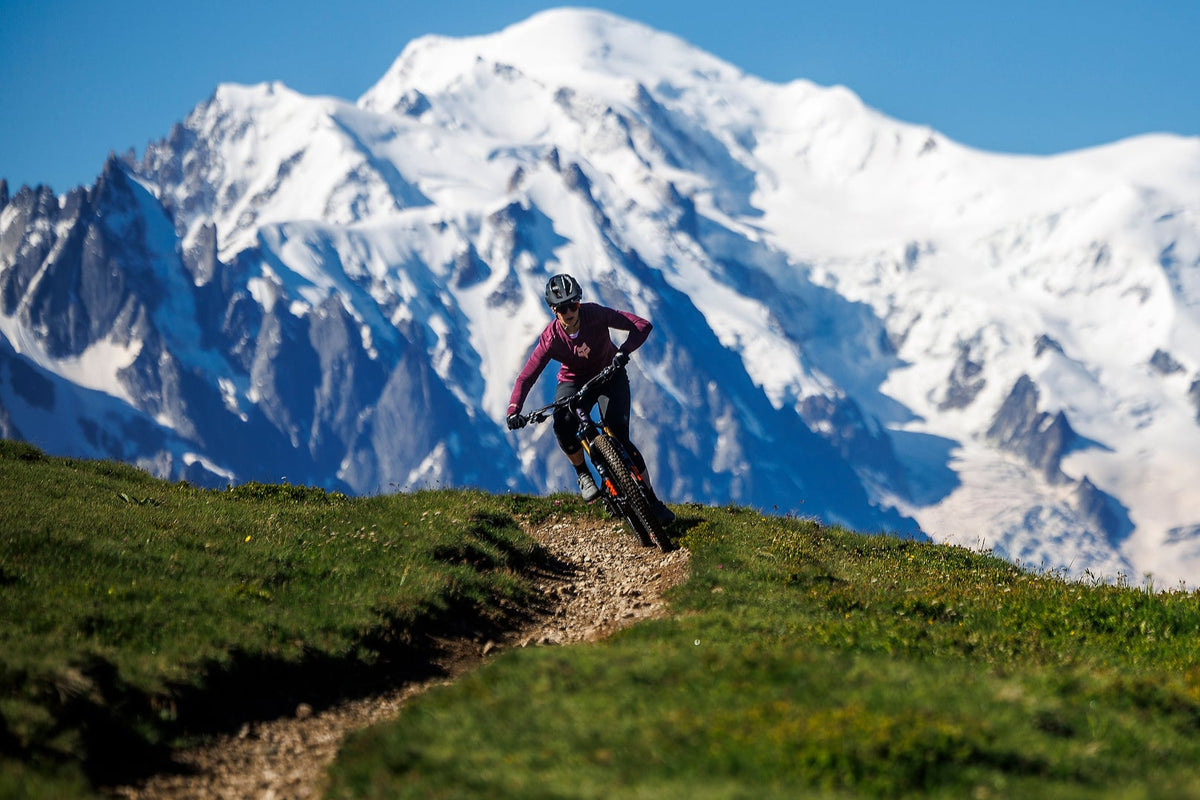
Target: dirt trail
(610, 582)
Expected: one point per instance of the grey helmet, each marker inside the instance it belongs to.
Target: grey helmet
(562, 289)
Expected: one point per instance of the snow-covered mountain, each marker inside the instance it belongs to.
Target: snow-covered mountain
(855, 318)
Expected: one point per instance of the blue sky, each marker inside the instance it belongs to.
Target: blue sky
(79, 79)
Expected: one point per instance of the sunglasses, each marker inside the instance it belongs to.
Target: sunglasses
(566, 308)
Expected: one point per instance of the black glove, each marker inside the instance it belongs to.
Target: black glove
(620, 359)
(515, 421)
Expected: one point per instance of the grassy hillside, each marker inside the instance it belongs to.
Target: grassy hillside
(136, 611)
(799, 660)
(808, 662)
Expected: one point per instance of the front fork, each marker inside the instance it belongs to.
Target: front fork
(609, 488)
(606, 485)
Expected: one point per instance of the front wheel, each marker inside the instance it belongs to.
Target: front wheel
(636, 506)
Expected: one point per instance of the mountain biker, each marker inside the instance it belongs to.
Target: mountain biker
(578, 339)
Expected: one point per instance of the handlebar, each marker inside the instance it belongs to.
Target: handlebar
(601, 378)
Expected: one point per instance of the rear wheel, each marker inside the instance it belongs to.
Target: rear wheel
(637, 509)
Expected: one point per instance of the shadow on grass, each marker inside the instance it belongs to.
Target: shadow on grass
(125, 735)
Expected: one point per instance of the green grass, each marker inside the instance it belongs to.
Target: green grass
(798, 660)
(808, 662)
(136, 611)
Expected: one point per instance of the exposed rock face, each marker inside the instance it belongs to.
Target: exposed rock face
(80, 271)
(1164, 363)
(1039, 437)
(1103, 511)
(965, 382)
(1042, 439)
(1046, 343)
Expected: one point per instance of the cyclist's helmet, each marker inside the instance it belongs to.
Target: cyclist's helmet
(562, 289)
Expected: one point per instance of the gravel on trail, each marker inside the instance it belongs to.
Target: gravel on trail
(607, 582)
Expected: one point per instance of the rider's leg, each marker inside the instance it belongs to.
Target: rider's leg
(566, 431)
(614, 406)
(614, 410)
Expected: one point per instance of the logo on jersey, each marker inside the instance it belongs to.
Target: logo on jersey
(582, 350)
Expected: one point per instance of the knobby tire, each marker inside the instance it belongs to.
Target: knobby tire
(638, 513)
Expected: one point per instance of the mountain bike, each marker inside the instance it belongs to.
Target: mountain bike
(622, 488)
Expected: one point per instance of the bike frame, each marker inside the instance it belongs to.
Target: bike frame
(581, 403)
(618, 502)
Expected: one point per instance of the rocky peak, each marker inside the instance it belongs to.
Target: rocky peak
(1041, 438)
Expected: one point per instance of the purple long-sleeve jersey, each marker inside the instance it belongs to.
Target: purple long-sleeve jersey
(583, 355)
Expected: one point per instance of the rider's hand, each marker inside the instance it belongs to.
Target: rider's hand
(620, 359)
(515, 421)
